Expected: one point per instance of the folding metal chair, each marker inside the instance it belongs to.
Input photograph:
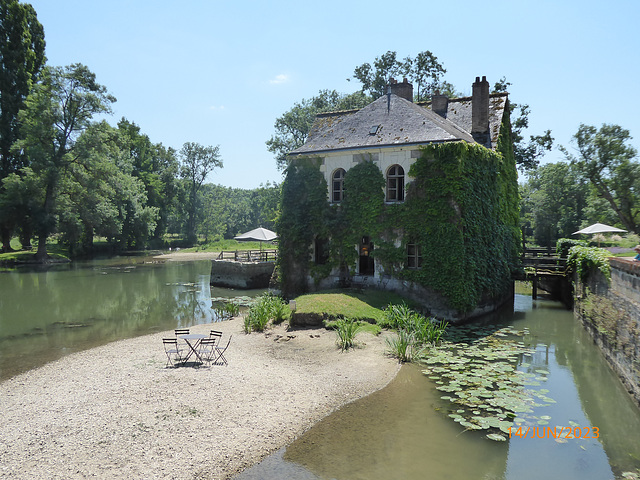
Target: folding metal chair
(207, 349)
(220, 352)
(181, 331)
(172, 350)
(216, 335)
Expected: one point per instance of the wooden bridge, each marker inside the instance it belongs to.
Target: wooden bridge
(541, 264)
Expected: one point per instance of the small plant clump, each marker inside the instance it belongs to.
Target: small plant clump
(226, 311)
(347, 329)
(414, 332)
(267, 308)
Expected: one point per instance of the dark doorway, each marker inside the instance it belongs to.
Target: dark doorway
(366, 263)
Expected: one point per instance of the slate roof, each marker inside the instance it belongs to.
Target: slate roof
(459, 112)
(395, 122)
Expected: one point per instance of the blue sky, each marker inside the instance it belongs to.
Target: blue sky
(220, 73)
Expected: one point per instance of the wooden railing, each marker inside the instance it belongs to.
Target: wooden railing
(250, 256)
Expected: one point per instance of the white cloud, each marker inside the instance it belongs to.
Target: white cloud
(216, 107)
(282, 78)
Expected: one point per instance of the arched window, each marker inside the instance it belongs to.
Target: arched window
(337, 186)
(395, 184)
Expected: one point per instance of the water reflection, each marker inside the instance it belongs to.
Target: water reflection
(49, 313)
(403, 430)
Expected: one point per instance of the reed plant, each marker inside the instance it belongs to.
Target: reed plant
(347, 329)
(267, 308)
(415, 332)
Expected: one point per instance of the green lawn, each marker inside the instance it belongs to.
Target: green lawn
(229, 245)
(355, 305)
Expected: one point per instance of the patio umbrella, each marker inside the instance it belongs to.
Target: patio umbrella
(598, 228)
(258, 235)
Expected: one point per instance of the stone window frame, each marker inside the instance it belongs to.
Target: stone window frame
(395, 179)
(337, 185)
(414, 256)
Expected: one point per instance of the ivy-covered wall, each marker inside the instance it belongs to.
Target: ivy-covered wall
(461, 208)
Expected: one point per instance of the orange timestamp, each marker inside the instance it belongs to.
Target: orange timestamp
(554, 432)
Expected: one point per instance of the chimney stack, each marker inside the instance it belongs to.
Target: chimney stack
(403, 90)
(440, 104)
(480, 110)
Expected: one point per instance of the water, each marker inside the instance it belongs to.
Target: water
(48, 313)
(403, 431)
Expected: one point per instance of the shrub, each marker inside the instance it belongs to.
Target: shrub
(563, 245)
(401, 346)
(584, 260)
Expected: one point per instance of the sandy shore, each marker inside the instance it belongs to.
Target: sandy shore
(116, 412)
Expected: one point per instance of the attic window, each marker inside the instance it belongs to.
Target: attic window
(373, 130)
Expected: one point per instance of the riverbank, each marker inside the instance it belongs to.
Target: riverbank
(117, 412)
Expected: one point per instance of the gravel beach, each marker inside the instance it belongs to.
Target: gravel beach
(116, 412)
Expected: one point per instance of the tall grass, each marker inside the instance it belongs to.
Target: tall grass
(268, 307)
(414, 332)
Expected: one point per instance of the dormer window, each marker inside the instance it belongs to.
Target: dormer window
(337, 185)
(374, 129)
(395, 184)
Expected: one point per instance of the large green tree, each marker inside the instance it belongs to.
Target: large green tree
(56, 113)
(553, 202)
(197, 161)
(292, 128)
(605, 158)
(526, 152)
(21, 59)
(157, 167)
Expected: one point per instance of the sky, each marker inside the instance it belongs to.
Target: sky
(221, 73)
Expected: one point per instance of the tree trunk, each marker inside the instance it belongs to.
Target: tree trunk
(6, 239)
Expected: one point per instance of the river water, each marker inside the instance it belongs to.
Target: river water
(52, 312)
(402, 431)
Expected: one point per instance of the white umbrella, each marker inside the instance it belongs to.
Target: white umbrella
(258, 234)
(598, 228)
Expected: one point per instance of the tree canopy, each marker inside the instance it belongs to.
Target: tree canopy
(605, 158)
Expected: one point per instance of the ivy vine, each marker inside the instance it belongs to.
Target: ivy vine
(461, 209)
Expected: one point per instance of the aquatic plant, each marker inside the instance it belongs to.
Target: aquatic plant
(414, 331)
(267, 307)
(347, 329)
(477, 371)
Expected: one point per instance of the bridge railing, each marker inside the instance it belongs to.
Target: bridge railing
(249, 255)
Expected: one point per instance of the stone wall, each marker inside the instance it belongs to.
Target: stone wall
(243, 275)
(610, 311)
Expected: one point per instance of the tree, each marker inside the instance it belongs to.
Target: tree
(604, 158)
(292, 128)
(527, 154)
(424, 71)
(56, 113)
(197, 162)
(553, 202)
(21, 59)
(157, 167)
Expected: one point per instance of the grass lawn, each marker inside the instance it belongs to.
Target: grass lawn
(355, 305)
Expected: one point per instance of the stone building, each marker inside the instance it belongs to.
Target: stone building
(393, 133)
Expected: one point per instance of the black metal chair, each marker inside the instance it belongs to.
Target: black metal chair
(172, 350)
(216, 335)
(181, 331)
(207, 349)
(220, 353)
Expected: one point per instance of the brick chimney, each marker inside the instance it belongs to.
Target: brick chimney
(480, 110)
(440, 104)
(403, 90)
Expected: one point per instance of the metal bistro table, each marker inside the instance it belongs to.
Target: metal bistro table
(193, 340)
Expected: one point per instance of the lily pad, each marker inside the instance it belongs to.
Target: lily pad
(496, 437)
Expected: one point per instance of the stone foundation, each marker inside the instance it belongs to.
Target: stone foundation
(243, 275)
